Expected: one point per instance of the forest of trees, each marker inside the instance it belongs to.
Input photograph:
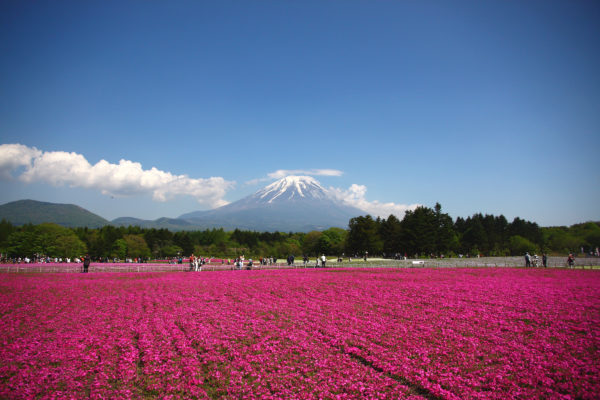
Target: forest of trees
(429, 232)
(423, 232)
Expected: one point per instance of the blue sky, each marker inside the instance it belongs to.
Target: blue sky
(490, 107)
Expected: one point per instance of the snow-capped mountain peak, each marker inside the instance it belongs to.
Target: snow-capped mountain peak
(291, 187)
(294, 203)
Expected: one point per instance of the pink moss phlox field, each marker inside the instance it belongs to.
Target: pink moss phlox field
(302, 334)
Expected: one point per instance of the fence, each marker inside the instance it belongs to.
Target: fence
(122, 267)
(504, 262)
(507, 262)
(94, 267)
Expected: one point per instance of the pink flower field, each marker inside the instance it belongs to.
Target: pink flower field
(492, 333)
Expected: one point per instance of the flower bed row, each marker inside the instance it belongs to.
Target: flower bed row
(302, 334)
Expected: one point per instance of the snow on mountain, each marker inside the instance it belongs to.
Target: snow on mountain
(290, 187)
(293, 203)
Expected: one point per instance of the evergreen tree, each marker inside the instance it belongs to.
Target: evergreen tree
(363, 236)
(419, 231)
(446, 239)
(390, 232)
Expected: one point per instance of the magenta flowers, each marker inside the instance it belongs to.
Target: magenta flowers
(302, 334)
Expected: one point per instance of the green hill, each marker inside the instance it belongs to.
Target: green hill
(22, 212)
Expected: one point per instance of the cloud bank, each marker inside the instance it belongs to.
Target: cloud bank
(355, 196)
(127, 178)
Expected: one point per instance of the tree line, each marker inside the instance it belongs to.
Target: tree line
(426, 232)
(423, 232)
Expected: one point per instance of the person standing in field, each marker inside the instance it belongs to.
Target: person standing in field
(545, 260)
(86, 263)
(527, 260)
(323, 261)
(571, 260)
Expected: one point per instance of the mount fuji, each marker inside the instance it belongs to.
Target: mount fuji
(294, 203)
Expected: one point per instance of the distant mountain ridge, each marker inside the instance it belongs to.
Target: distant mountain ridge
(291, 204)
(172, 224)
(23, 212)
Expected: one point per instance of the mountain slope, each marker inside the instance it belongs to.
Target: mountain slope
(36, 212)
(294, 203)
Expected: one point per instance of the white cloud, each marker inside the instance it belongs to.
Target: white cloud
(126, 178)
(15, 156)
(282, 173)
(355, 196)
